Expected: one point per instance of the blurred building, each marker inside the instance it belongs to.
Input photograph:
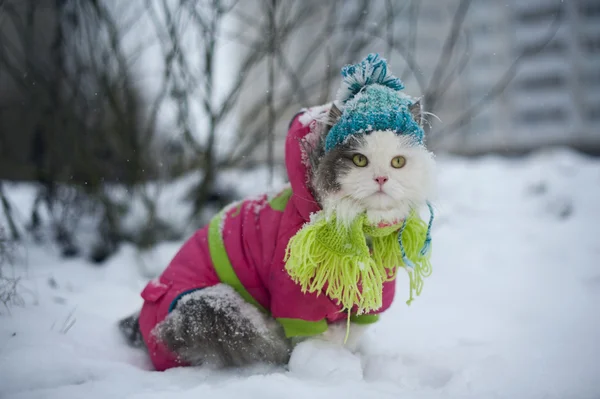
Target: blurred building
(530, 69)
(554, 98)
(558, 87)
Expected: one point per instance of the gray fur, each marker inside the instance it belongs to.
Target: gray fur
(334, 114)
(334, 165)
(416, 110)
(130, 328)
(222, 330)
(327, 168)
(315, 155)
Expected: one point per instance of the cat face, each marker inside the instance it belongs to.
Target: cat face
(382, 173)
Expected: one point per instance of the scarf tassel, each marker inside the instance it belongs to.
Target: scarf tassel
(324, 257)
(353, 279)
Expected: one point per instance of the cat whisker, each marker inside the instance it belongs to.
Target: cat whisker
(424, 119)
(432, 114)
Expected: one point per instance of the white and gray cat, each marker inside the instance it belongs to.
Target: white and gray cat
(381, 173)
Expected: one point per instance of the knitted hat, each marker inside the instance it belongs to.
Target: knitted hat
(372, 100)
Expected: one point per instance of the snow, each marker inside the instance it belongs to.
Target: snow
(314, 113)
(221, 297)
(314, 359)
(511, 310)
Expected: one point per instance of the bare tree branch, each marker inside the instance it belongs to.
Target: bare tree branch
(500, 85)
(271, 12)
(411, 47)
(431, 94)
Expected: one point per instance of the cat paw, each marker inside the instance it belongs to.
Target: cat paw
(318, 359)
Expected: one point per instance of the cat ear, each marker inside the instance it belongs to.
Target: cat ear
(334, 114)
(316, 152)
(417, 112)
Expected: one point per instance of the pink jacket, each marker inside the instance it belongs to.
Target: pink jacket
(244, 246)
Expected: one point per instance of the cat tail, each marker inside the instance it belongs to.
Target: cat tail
(130, 328)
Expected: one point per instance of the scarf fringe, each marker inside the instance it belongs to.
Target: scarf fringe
(345, 269)
(413, 238)
(352, 279)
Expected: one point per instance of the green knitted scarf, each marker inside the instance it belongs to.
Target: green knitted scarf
(325, 256)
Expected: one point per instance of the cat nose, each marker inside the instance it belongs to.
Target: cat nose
(381, 180)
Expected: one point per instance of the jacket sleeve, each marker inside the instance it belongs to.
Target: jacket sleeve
(306, 314)
(300, 313)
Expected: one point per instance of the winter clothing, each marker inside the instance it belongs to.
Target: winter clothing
(330, 257)
(281, 254)
(372, 101)
(326, 256)
(244, 246)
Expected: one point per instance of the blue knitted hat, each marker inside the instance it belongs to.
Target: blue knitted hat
(372, 100)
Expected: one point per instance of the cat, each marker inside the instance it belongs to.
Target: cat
(381, 173)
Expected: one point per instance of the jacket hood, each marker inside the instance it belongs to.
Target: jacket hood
(297, 166)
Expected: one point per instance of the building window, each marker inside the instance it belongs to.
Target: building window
(533, 49)
(591, 78)
(544, 82)
(592, 113)
(589, 9)
(590, 45)
(535, 15)
(545, 115)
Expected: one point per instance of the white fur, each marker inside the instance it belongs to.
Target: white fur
(407, 187)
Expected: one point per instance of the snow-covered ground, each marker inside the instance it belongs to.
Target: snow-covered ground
(511, 310)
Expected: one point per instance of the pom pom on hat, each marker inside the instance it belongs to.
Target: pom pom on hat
(372, 70)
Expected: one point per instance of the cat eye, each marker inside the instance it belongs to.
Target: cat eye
(398, 162)
(360, 160)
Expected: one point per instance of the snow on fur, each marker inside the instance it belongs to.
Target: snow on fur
(316, 113)
(222, 297)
